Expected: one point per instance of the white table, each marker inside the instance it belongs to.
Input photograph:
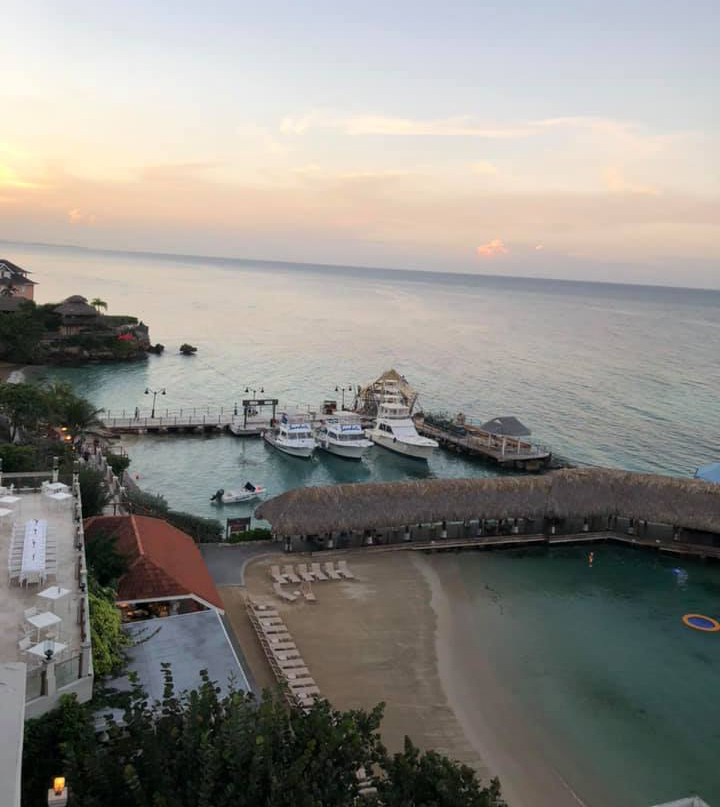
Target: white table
(10, 501)
(40, 648)
(54, 593)
(4, 511)
(33, 557)
(43, 620)
(56, 487)
(60, 496)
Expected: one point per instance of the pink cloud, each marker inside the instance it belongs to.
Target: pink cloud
(492, 248)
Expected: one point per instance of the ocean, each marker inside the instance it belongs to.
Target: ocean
(622, 376)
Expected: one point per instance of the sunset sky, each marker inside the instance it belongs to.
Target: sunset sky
(575, 140)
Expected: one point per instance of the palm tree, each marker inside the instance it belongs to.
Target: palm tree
(81, 417)
(97, 304)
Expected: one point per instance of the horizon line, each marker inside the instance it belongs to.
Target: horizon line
(406, 271)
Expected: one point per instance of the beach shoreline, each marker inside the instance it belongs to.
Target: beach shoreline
(483, 705)
(393, 636)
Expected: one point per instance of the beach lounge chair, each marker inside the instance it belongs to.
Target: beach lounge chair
(276, 576)
(284, 655)
(304, 692)
(295, 673)
(331, 571)
(301, 683)
(269, 620)
(286, 595)
(317, 571)
(291, 663)
(344, 571)
(281, 647)
(265, 614)
(304, 573)
(307, 593)
(279, 628)
(276, 638)
(289, 573)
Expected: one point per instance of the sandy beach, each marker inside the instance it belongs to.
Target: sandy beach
(391, 635)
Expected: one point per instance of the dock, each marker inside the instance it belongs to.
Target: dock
(508, 452)
(198, 420)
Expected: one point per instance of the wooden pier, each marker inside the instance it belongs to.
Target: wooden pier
(508, 452)
(192, 420)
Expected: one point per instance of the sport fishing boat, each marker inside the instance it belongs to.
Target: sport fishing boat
(248, 492)
(395, 430)
(292, 434)
(343, 436)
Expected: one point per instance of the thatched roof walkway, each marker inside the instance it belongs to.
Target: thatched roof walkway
(561, 495)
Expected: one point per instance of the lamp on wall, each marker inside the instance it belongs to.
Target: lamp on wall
(58, 795)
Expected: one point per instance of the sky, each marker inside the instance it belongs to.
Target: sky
(573, 140)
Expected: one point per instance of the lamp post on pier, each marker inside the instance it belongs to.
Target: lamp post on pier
(254, 391)
(154, 393)
(343, 390)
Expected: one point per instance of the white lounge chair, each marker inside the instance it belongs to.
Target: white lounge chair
(302, 683)
(304, 573)
(286, 595)
(276, 576)
(291, 663)
(344, 571)
(317, 571)
(307, 593)
(289, 573)
(331, 571)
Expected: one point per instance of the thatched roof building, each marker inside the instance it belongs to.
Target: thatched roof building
(574, 493)
(367, 399)
(76, 306)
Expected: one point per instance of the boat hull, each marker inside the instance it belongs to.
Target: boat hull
(301, 452)
(417, 452)
(349, 452)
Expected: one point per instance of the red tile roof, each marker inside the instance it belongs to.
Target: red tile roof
(164, 562)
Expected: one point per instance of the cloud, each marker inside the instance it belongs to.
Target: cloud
(10, 179)
(492, 248)
(484, 168)
(460, 126)
(76, 216)
(616, 182)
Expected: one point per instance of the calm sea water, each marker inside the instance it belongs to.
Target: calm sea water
(622, 695)
(607, 375)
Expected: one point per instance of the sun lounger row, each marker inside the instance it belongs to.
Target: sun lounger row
(283, 655)
(310, 575)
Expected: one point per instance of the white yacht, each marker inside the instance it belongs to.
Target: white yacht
(292, 434)
(395, 430)
(245, 494)
(343, 436)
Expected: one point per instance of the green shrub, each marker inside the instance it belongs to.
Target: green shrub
(108, 638)
(106, 564)
(94, 492)
(257, 534)
(18, 459)
(118, 463)
(201, 530)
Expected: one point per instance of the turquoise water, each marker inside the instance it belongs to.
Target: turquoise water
(622, 695)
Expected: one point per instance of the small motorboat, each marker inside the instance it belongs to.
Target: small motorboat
(248, 492)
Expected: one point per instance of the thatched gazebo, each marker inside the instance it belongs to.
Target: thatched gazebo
(581, 499)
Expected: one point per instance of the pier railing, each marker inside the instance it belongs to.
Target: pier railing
(477, 440)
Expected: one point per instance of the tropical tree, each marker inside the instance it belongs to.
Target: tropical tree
(80, 416)
(104, 561)
(97, 304)
(108, 637)
(93, 491)
(23, 405)
(201, 749)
